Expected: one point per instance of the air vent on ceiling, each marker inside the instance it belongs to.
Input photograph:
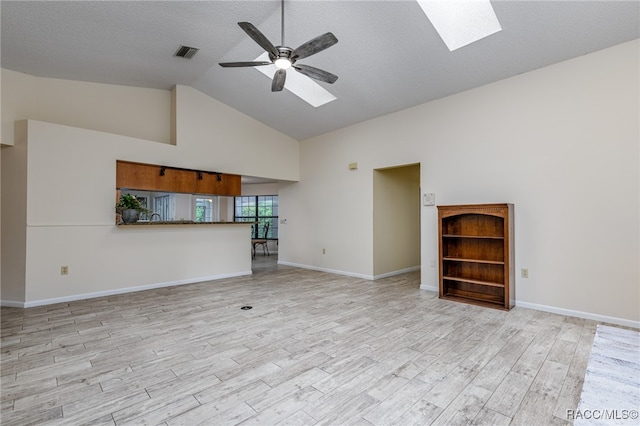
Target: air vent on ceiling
(186, 52)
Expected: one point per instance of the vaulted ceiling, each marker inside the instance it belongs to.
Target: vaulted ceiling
(389, 56)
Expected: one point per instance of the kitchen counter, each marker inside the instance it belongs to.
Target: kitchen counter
(179, 222)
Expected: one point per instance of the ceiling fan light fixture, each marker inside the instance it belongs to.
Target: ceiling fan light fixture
(300, 85)
(461, 22)
(283, 63)
(283, 57)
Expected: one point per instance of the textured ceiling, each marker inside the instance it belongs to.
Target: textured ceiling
(388, 57)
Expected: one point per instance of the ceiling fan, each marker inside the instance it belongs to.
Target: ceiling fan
(284, 57)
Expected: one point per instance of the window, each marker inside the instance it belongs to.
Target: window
(162, 206)
(206, 209)
(262, 209)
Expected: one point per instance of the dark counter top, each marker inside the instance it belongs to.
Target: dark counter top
(178, 222)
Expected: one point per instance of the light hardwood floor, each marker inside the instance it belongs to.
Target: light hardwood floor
(316, 348)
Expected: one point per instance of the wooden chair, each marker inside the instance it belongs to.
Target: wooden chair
(261, 242)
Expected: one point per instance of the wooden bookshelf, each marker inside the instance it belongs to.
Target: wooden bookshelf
(476, 254)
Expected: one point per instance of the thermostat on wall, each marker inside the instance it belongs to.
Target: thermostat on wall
(429, 199)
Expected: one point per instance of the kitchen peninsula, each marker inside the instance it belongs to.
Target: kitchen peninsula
(171, 195)
(179, 222)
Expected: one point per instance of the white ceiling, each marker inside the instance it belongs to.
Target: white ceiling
(389, 57)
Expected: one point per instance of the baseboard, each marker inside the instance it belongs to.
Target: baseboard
(538, 307)
(561, 311)
(433, 288)
(93, 295)
(11, 304)
(579, 314)
(398, 272)
(331, 271)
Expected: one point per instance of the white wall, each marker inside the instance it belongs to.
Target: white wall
(260, 189)
(243, 146)
(226, 209)
(214, 136)
(123, 110)
(66, 177)
(182, 204)
(70, 221)
(13, 217)
(547, 141)
(1, 146)
(331, 207)
(106, 260)
(561, 143)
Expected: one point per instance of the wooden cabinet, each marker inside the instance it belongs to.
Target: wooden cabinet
(476, 254)
(217, 183)
(150, 177)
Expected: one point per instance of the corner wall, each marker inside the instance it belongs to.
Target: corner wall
(561, 143)
(13, 217)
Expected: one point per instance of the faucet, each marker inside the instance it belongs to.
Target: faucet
(155, 214)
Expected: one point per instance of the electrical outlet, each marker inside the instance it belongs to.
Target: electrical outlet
(524, 272)
(324, 251)
(433, 263)
(64, 270)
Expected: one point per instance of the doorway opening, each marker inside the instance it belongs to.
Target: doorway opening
(396, 220)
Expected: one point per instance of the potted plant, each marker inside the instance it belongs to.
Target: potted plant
(129, 208)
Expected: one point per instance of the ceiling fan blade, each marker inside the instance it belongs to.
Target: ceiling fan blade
(243, 64)
(278, 80)
(316, 73)
(314, 46)
(259, 38)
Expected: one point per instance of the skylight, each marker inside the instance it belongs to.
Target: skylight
(461, 22)
(298, 84)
